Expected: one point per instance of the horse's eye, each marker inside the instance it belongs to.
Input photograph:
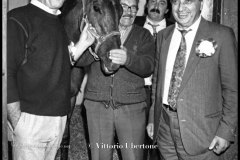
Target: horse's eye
(97, 9)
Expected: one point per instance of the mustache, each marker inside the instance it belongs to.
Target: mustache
(127, 15)
(155, 10)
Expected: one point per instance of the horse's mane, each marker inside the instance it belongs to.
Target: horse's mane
(68, 5)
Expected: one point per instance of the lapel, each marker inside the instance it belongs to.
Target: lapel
(193, 59)
(167, 35)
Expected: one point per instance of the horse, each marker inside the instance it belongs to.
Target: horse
(103, 16)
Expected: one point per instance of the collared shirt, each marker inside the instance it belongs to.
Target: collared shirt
(45, 8)
(124, 33)
(161, 25)
(172, 52)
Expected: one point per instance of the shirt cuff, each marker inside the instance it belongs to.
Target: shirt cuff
(72, 50)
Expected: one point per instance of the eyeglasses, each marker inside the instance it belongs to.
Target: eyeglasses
(132, 8)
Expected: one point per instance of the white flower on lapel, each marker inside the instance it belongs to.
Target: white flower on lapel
(206, 47)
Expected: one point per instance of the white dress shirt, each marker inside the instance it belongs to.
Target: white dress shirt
(161, 25)
(172, 52)
(44, 7)
(124, 33)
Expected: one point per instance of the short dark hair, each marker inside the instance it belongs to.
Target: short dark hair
(168, 3)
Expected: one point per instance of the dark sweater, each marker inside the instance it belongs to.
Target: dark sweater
(42, 84)
(127, 84)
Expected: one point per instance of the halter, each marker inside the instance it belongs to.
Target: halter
(100, 38)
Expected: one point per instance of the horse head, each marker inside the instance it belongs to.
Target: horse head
(104, 16)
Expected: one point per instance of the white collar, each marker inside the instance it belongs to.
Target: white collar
(44, 7)
(161, 23)
(193, 27)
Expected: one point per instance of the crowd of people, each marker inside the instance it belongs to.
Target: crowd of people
(177, 83)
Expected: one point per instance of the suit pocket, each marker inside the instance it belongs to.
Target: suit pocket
(213, 115)
(18, 123)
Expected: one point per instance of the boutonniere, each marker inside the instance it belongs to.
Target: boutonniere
(206, 47)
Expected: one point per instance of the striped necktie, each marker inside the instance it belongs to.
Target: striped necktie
(154, 27)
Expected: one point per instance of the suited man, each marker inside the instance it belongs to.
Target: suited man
(195, 99)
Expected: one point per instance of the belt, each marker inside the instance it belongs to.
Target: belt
(148, 87)
(169, 108)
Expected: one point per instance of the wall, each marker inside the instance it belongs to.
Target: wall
(207, 9)
(16, 3)
(141, 6)
(4, 82)
(229, 15)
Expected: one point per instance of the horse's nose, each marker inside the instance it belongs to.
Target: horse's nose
(106, 70)
(110, 68)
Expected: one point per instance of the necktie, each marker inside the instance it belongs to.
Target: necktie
(177, 73)
(154, 27)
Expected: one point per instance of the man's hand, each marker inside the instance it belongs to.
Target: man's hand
(86, 38)
(118, 56)
(150, 130)
(13, 113)
(219, 145)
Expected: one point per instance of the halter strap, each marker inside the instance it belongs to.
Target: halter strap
(100, 38)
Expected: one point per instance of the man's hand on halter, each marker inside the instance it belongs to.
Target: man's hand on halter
(86, 40)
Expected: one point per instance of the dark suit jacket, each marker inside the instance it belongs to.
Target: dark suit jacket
(140, 20)
(207, 101)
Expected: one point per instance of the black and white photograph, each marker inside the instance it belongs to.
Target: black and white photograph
(119, 79)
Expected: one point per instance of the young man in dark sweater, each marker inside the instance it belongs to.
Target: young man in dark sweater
(39, 84)
(116, 103)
